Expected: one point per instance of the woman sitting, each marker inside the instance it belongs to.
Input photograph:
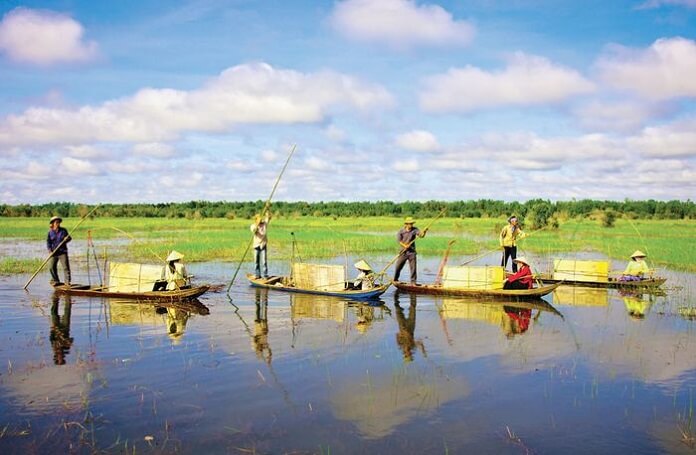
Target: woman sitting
(637, 268)
(523, 279)
(366, 278)
(175, 273)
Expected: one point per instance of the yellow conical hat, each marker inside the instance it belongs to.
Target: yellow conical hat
(639, 254)
(174, 255)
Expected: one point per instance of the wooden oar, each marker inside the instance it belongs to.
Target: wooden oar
(60, 244)
(263, 212)
(404, 249)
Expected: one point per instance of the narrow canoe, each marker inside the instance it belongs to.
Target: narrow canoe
(164, 296)
(278, 283)
(612, 283)
(518, 294)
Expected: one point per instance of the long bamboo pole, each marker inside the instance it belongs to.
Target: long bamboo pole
(265, 209)
(403, 250)
(60, 244)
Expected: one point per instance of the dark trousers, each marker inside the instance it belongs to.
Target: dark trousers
(515, 285)
(510, 252)
(409, 256)
(53, 267)
(261, 261)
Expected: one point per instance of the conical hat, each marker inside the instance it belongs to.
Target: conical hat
(174, 255)
(522, 259)
(639, 254)
(362, 265)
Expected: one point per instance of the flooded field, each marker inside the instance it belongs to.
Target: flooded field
(589, 370)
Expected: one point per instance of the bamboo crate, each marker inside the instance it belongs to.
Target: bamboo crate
(130, 277)
(473, 277)
(574, 270)
(319, 277)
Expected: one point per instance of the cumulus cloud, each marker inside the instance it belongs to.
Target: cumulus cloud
(335, 133)
(664, 70)
(620, 116)
(399, 24)
(418, 140)
(651, 4)
(85, 151)
(406, 166)
(75, 166)
(527, 80)
(154, 149)
(677, 139)
(43, 38)
(244, 94)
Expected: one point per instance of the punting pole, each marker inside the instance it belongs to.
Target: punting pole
(60, 244)
(265, 208)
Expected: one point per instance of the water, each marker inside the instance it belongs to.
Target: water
(276, 373)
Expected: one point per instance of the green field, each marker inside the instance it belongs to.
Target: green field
(669, 243)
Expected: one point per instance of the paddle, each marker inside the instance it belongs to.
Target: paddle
(60, 244)
(263, 212)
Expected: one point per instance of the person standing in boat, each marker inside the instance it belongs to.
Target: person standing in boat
(508, 241)
(637, 267)
(174, 272)
(57, 244)
(523, 279)
(259, 228)
(406, 237)
(366, 278)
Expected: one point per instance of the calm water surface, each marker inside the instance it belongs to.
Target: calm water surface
(596, 372)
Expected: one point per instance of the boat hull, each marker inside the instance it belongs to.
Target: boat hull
(276, 283)
(162, 296)
(612, 283)
(498, 294)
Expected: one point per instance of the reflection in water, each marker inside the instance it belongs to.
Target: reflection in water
(405, 338)
(307, 306)
(636, 306)
(367, 313)
(516, 320)
(580, 296)
(260, 337)
(61, 341)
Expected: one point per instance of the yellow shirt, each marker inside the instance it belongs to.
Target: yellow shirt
(507, 238)
(637, 268)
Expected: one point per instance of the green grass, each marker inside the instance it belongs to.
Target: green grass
(12, 265)
(668, 243)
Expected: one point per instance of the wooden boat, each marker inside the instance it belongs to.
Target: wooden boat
(505, 294)
(281, 283)
(186, 293)
(613, 283)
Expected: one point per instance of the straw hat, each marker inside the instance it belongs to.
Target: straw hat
(362, 265)
(409, 220)
(521, 259)
(174, 256)
(638, 254)
(511, 217)
(55, 218)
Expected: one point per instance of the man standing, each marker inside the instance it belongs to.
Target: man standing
(509, 236)
(407, 239)
(259, 228)
(57, 244)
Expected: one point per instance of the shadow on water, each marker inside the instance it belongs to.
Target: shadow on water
(597, 369)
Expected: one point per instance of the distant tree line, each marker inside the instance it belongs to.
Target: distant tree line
(537, 212)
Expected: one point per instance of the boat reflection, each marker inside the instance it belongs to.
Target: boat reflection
(172, 315)
(636, 304)
(367, 313)
(308, 306)
(580, 296)
(60, 338)
(405, 338)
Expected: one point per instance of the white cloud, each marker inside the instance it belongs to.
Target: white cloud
(418, 140)
(651, 4)
(399, 24)
(316, 164)
(527, 80)
(85, 151)
(406, 166)
(664, 70)
(74, 166)
(269, 155)
(188, 180)
(43, 38)
(622, 116)
(677, 139)
(154, 149)
(238, 165)
(335, 133)
(250, 93)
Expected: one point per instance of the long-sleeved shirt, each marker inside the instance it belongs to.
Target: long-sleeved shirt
(524, 276)
(510, 234)
(405, 237)
(637, 268)
(54, 239)
(259, 230)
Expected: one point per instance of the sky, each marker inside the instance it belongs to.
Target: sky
(164, 101)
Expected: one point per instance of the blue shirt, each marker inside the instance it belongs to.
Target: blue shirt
(54, 238)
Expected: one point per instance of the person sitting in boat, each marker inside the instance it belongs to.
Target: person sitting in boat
(366, 278)
(637, 268)
(523, 279)
(175, 273)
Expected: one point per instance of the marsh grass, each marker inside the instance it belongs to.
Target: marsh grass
(10, 265)
(668, 242)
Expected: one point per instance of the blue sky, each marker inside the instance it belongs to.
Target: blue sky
(155, 101)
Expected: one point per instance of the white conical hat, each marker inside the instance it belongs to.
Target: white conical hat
(522, 259)
(174, 255)
(362, 265)
(639, 254)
